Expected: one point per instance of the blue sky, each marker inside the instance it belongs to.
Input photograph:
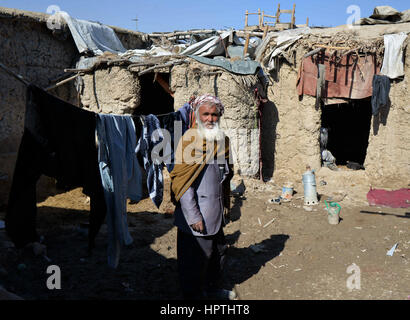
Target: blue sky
(167, 15)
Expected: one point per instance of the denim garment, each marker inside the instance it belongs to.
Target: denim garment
(380, 95)
(176, 123)
(152, 165)
(120, 176)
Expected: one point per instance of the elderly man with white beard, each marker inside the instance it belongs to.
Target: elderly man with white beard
(200, 188)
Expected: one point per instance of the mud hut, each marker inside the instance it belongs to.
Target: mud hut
(376, 142)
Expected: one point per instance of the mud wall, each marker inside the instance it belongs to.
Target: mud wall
(30, 49)
(111, 90)
(239, 119)
(293, 125)
(387, 162)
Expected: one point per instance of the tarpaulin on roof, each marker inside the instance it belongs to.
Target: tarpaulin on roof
(386, 15)
(243, 67)
(92, 36)
(350, 77)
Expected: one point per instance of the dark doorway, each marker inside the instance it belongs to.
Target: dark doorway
(154, 99)
(349, 128)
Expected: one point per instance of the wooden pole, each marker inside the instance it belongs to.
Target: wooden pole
(265, 32)
(163, 84)
(246, 18)
(311, 53)
(245, 49)
(62, 82)
(293, 16)
(259, 17)
(278, 14)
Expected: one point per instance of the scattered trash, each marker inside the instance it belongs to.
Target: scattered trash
(259, 220)
(323, 182)
(287, 192)
(21, 267)
(359, 228)
(307, 208)
(2, 224)
(298, 269)
(269, 223)
(391, 251)
(275, 201)
(333, 210)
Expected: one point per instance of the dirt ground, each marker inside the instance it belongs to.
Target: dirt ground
(298, 255)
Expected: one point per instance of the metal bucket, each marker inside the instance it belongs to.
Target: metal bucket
(309, 188)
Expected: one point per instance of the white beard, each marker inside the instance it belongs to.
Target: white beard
(214, 134)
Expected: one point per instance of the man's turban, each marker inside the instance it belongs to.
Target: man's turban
(208, 99)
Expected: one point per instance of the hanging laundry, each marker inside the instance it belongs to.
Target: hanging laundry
(176, 123)
(380, 95)
(58, 141)
(351, 77)
(120, 176)
(153, 165)
(393, 55)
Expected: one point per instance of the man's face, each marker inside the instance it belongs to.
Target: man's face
(208, 115)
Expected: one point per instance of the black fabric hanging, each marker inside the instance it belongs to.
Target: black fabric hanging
(58, 141)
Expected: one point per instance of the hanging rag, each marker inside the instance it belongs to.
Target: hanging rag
(380, 95)
(120, 176)
(58, 141)
(320, 85)
(393, 55)
(151, 136)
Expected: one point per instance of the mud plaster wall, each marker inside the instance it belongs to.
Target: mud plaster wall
(111, 90)
(294, 126)
(239, 116)
(29, 48)
(387, 161)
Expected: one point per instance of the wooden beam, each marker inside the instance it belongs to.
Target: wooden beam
(330, 47)
(245, 49)
(62, 82)
(265, 32)
(163, 84)
(278, 14)
(311, 53)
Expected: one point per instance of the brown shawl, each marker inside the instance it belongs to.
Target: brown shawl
(193, 153)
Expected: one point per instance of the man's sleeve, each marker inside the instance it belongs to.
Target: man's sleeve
(189, 207)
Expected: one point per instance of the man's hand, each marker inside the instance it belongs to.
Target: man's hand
(198, 227)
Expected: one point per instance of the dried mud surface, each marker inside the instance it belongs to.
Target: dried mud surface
(297, 256)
